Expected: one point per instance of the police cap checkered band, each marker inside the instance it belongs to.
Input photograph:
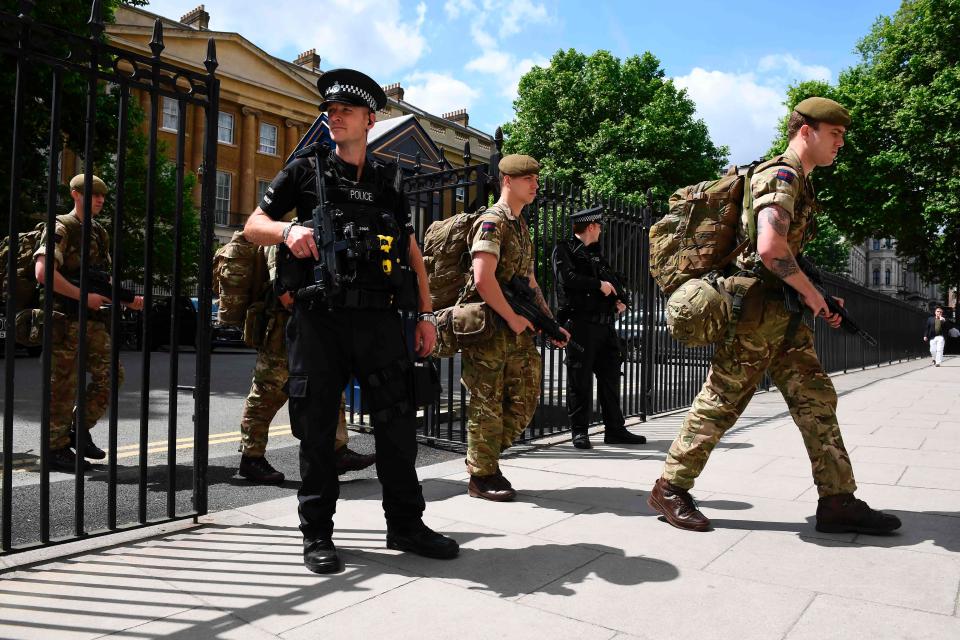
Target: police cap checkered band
(593, 214)
(349, 86)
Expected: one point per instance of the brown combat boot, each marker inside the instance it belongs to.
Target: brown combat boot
(843, 513)
(349, 460)
(677, 506)
(493, 487)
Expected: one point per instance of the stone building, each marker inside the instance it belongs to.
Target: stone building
(875, 264)
(266, 106)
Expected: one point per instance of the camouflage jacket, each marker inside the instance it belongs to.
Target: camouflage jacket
(67, 239)
(506, 237)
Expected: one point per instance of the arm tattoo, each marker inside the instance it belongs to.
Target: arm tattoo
(539, 296)
(784, 267)
(776, 219)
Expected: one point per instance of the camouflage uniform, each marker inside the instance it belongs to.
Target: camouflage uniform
(66, 331)
(268, 389)
(763, 343)
(502, 372)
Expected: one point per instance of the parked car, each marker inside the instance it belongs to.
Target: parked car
(222, 335)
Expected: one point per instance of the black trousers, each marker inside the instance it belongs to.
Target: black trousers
(324, 350)
(601, 356)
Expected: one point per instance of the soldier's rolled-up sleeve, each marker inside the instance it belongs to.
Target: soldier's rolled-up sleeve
(59, 244)
(777, 185)
(487, 235)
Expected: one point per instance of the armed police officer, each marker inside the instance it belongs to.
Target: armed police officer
(67, 244)
(345, 318)
(591, 296)
(785, 204)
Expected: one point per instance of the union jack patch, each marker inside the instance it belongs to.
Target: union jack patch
(786, 175)
(487, 227)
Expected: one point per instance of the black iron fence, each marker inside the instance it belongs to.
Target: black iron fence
(660, 374)
(145, 426)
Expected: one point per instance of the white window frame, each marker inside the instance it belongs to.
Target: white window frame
(262, 186)
(266, 148)
(220, 127)
(169, 108)
(220, 215)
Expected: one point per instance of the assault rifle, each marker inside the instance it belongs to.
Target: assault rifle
(795, 305)
(99, 282)
(619, 282)
(326, 275)
(523, 301)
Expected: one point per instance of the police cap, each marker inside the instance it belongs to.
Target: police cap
(517, 164)
(593, 214)
(349, 86)
(77, 182)
(824, 110)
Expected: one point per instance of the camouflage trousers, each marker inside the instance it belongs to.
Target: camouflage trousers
(268, 392)
(735, 372)
(63, 377)
(503, 377)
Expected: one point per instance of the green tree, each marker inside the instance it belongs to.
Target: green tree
(899, 172)
(616, 128)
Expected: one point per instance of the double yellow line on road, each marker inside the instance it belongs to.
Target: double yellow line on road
(160, 446)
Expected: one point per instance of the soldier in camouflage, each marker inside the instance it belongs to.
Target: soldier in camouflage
(268, 394)
(67, 239)
(777, 342)
(502, 371)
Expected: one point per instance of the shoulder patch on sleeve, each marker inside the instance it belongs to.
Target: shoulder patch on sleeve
(786, 175)
(487, 226)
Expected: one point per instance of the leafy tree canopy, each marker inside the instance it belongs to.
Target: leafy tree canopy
(899, 172)
(617, 128)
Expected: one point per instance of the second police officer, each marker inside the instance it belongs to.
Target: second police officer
(356, 331)
(590, 301)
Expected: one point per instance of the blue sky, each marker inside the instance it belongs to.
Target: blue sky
(735, 58)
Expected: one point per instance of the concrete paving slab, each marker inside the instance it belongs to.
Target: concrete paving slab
(603, 494)
(931, 477)
(925, 458)
(760, 484)
(875, 472)
(632, 594)
(738, 512)
(887, 576)
(886, 437)
(197, 624)
(940, 441)
(833, 618)
(441, 610)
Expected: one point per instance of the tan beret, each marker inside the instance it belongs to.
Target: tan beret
(77, 182)
(824, 110)
(518, 165)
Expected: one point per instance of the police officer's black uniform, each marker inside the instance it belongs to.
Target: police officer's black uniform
(589, 316)
(356, 332)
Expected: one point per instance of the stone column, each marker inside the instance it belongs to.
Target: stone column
(292, 137)
(249, 139)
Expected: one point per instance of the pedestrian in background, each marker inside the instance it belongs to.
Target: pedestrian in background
(936, 334)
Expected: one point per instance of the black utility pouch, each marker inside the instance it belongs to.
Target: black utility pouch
(426, 382)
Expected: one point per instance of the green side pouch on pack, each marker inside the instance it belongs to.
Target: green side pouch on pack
(29, 327)
(447, 344)
(473, 322)
(254, 325)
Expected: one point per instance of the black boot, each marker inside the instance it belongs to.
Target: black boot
(843, 513)
(65, 460)
(422, 540)
(622, 436)
(581, 439)
(320, 555)
(90, 450)
(259, 470)
(349, 460)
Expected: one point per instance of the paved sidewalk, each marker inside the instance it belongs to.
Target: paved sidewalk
(578, 555)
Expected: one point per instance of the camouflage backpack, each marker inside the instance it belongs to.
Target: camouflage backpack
(25, 285)
(447, 257)
(239, 273)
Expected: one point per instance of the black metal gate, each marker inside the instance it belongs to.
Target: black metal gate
(145, 426)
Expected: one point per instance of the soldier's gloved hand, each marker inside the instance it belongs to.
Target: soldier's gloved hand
(301, 244)
(607, 289)
(95, 301)
(519, 324)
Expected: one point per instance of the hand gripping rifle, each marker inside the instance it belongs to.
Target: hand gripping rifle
(846, 321)
(523, 301)
(99, 282)
(326, 275)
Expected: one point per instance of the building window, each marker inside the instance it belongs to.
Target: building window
(225, 128)
(268, 139)
(876, 244)
(171, 114)
(886, 277)
(460, 194)
(888, 243)
(261, 189)
(221, 209)
(876, 277)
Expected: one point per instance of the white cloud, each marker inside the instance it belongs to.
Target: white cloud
(742, 110)
(518, 13)
(379, 36)
(438, 93)
(455, 8)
